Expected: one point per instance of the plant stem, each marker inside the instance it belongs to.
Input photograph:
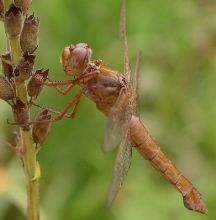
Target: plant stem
(31, 167)
(16, 51)
(15, 54)
(32, 172)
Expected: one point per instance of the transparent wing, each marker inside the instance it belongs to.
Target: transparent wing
(120, 113)
(135, 84)
(117, 122)
(121, 167)
(123, 38)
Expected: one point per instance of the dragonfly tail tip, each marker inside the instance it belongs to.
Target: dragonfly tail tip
(194, 201)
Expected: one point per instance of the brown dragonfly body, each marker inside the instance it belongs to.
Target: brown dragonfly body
(104, 90)
(115, 96)
(150, 150)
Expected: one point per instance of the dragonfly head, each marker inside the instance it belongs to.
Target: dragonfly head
(75, 58)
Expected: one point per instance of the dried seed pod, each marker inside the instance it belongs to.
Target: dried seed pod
(13, 22)
(35, 84)
(28, 40)
(23, 5)
(40, 131)
(1, 9)
(24, 67)
(7, 68)
(21, 116)
(7, 91)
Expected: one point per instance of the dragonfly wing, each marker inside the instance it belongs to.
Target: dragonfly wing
(135, 84)
(121, 167)
(112, 134)
(123, 37)
(117, 122)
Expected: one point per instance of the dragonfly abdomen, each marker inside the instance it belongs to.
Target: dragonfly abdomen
(148, 148)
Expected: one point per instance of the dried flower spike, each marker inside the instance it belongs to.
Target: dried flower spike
(7, 68)
(24, 67)
(13, 22)
(35, 84)
(20, 111)
(23, 5)
(7, 91)
(40, 131)
(28, 40)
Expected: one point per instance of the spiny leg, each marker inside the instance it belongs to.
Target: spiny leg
(59, 83)
(65, 90)
(87, 77)
(50, 110)
(74, 101)
(73, 114)
(82, 79)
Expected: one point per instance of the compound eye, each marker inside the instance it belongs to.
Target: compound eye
(79, 58)
(75, 58)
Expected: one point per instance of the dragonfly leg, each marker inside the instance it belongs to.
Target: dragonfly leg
(59, 89)
(73, 114)
(59, 83)
(87, 77)
(74, 101)
(82, 79)
(66, 90)
(50, 110)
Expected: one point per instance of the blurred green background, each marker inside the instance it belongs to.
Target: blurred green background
(177, 104)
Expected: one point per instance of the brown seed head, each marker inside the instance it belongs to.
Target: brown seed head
(23, 5)
(24, 67)
(75, 58)
(7, 68)
(40, 131)
(35, 84)
(7, 91)
(20, 111)
(28, 40)
(13, 21)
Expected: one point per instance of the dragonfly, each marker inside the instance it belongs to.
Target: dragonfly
(116, 96)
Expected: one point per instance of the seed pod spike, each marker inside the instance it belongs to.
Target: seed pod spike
(7, 91)
(29, 35)
(40, 131)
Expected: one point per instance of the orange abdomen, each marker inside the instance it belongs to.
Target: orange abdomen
(148, 148)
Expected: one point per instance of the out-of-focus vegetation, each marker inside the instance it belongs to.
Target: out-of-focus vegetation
(177, 104)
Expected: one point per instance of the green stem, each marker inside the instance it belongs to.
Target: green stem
(32, 171)
(15, 49)
(31, 167)
(16, 54)
(33, 201)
